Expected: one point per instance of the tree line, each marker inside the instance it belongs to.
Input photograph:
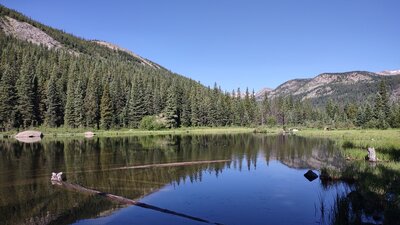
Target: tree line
(102, 88)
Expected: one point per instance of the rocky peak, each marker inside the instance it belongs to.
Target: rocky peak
(389, 72)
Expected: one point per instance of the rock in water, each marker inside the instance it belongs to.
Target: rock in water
(89, 134)
(371, 155)
(310, 175)
(29, 134)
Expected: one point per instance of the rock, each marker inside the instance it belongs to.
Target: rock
(29, 134)
(371, 155)
(29, 139)
(310, 175)
(89, 134)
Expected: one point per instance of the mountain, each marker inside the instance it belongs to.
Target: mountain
(351, 86)
(389, 72)
(52, 78)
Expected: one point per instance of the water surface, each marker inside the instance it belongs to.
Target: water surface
(263, 182)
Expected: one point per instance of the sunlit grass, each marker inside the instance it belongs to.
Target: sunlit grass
(73, 132)
(356, 142)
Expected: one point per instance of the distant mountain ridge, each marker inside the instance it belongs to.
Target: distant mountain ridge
(345, 87)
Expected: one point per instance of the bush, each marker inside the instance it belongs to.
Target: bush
(348, 144)
(151, 123)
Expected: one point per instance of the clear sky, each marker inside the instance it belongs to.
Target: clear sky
(237, 43)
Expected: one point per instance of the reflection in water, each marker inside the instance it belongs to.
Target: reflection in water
(27, 196)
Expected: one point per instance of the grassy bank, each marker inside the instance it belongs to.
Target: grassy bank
(355, 142)
(63, 132)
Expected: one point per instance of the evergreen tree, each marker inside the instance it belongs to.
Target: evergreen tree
(92, 102)
(106, 109)
(265, 108)
(136, 105)
(25, 91)
(171, 109)
(194, 108)
(53, 116)
(7, 98)
(69, 114)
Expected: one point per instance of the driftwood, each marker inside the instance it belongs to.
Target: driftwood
(122, 200)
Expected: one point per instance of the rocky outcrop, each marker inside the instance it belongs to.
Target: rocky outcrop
(27, 32)
(139, 58)
(350, 86)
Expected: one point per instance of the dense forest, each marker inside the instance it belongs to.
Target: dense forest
(85, 84)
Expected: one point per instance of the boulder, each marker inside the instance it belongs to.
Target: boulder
(29, 134)
(29, 139)
(310, 175)
(89, 134)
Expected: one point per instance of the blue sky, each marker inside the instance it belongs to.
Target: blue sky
(236, 43)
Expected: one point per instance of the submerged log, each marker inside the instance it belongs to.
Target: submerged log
(122, 200)
(171, 164)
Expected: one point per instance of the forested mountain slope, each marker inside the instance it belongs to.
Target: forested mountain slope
(345, 87)
(52, 78)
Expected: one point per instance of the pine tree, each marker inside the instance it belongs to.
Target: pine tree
(53, 116)
(136, 105)
(171, 108)
(7, 98)
(194, 108)
(25, 90)
(106, 109)
(69, 114)
(92, 102)
(79, 107)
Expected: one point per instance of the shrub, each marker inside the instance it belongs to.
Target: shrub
(151, 123)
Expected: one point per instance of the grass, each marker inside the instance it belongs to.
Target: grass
(356, 142)
(64, 132)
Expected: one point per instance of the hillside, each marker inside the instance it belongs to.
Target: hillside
(351, 86)
(52, 78)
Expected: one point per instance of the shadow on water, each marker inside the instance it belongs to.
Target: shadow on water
(375, 198)
(27, 196)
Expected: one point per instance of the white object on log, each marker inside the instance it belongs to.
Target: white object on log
(59, 177)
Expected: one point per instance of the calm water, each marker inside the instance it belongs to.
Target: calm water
(263, 182)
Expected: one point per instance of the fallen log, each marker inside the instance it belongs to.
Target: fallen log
(123, 200)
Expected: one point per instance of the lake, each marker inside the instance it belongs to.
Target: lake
(262, 182)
